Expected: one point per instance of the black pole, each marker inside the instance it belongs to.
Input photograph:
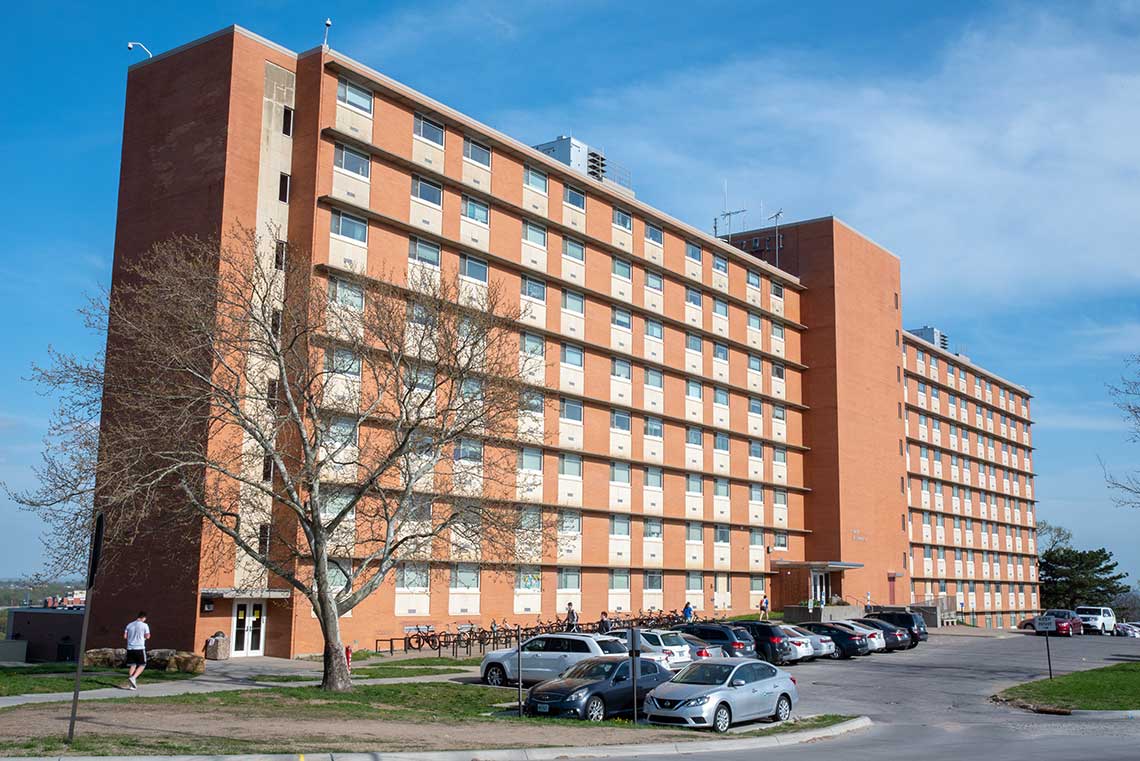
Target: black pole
(1048, 655)
(635, 635)
(518, 665)
(92, 567)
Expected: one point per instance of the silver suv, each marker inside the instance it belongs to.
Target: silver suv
(546, 657)
(1099, 620)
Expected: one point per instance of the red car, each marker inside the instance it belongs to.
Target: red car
(1068, 622)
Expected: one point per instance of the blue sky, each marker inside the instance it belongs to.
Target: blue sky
(964, 137)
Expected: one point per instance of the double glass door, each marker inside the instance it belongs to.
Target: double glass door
(249, 628)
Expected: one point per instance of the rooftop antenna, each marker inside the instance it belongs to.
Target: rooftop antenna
(776, 217)
(727, 216)
(328, 23)
(131, 46)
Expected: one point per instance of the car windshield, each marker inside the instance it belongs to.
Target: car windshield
(591, 669)
(673, 640)
(1088, 611)
(612, 646)
(704, 673)
(742, 634)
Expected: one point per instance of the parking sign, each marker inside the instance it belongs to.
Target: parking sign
(1045, 624)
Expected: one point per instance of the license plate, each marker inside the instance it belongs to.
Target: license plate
(543, 708)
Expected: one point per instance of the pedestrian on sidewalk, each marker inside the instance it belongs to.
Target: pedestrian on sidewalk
(136, 634)
(764, 608)
(571, 618)
(604, 623)
(687, 612)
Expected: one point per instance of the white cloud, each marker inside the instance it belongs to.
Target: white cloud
(1006, 171)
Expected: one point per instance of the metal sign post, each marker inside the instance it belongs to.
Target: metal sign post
(92, 567)
(634, 653)
(1047, 624)
(518, 665)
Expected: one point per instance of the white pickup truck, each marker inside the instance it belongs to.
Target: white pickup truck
(1099, 620)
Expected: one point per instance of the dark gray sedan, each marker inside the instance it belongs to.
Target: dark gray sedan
(596, 688)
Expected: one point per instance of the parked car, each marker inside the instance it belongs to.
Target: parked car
(1127, 630)
(1068, 622)
(664, 642)
(821, 644)
(720, 691)
(874, 636)
(847, 642)
(772, 644)
(546, 657)
(914, 623)
(596, 688)
(736, 641)
(801, 645)
(699, 649)
(1100, 620)
(895, 637)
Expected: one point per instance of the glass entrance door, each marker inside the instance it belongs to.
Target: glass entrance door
(248, 628)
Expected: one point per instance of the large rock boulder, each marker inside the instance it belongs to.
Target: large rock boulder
(105, 657)
(189, 663)
(156, 660)
(161, 659)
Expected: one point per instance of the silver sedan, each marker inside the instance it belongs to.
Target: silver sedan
(717, 692)
(822, 645)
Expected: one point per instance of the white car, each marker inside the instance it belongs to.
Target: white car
(874, 636)
(1100, 620)
(546, 657)
(800, 643)
(669, 644)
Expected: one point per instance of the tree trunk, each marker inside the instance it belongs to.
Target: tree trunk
(335, 677)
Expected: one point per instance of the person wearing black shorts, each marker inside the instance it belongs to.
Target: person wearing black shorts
(136, 634)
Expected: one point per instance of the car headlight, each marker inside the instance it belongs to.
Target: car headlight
(695, 701)
(577, 694)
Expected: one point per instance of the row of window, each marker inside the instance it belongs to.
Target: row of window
(931, 360)
(961, 407)
(415, 577)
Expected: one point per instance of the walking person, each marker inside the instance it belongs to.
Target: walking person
(604, 623)
(136, 634)
(764, 608)
(571, 618)
(687, 612)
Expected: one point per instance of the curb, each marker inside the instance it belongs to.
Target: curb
(1104, 715)
(1073, 713)
(524, 754)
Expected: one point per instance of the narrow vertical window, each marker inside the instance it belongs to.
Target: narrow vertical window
(279, 255)
(283, 188)
(287, 122)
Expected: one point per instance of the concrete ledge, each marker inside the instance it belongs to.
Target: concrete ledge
(527, 754)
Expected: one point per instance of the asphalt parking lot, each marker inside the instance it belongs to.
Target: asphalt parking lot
(931, 703)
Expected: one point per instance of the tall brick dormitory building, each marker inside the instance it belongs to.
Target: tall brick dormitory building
(721, 421)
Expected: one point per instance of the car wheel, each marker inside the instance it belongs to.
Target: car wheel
(595, 709)
(835, 654)
(722, 719)
(783, 709)
(496, 675)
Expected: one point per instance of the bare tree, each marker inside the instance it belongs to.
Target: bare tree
(326, 427)
(1127, 486)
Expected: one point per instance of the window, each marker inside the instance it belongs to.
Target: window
(620, 368)
(653, 477)
(272, 393)
(531, 401)
(427, 191)
(694, 581)
(572, 249)
(352, 161)
(287, 122)
(283, 188)
(693, 436)
(693, 532)
(777, 331)
(720, 487)
(343, 362)
(777, 290)
(530, 458)
(779, 412)
(720, 264)
(570, 465)
(693, 389)
(720, 396)
(653, 581)
(780, 498)
(623, 219)
(570, 409)
(777, 371)
(279, 254)
(572, 301)
(753, 279)
(476, 152)
(569, 522)
(354, 95)
(476, 211)
(534, 289)
(720, 441)
(465, 576)
(654, 329)
(720, 352)
(780, 455)
(619, 472)
(621, 318)
(573, 197)
(654, 281)
(267, 467)
(572, 355)
(756, 450)
(692, 251)
(619, 525)
(423, 251)
(472, 268)
(693, 297)
(694, 484)
(620, 420)
(533, 345)
(619, 579)
(569, 579)
(535, 179)
(755, 406)
(622, 269)
(721, 534)
(654, 378)
(755, 537)
(754, 321)
(693, 342)
(781, 539)
(425, 128)
(653, 233)
(469, 450)
(720, 307)
(528, 578)
(533, 233)
(653, 528)
(346, 294)
(755, 364)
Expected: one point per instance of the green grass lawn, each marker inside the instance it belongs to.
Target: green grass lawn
(1113, 688)
(60, 677)
(366, 672)
(774, 615)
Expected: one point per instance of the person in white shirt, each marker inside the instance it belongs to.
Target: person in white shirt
(136, 634)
